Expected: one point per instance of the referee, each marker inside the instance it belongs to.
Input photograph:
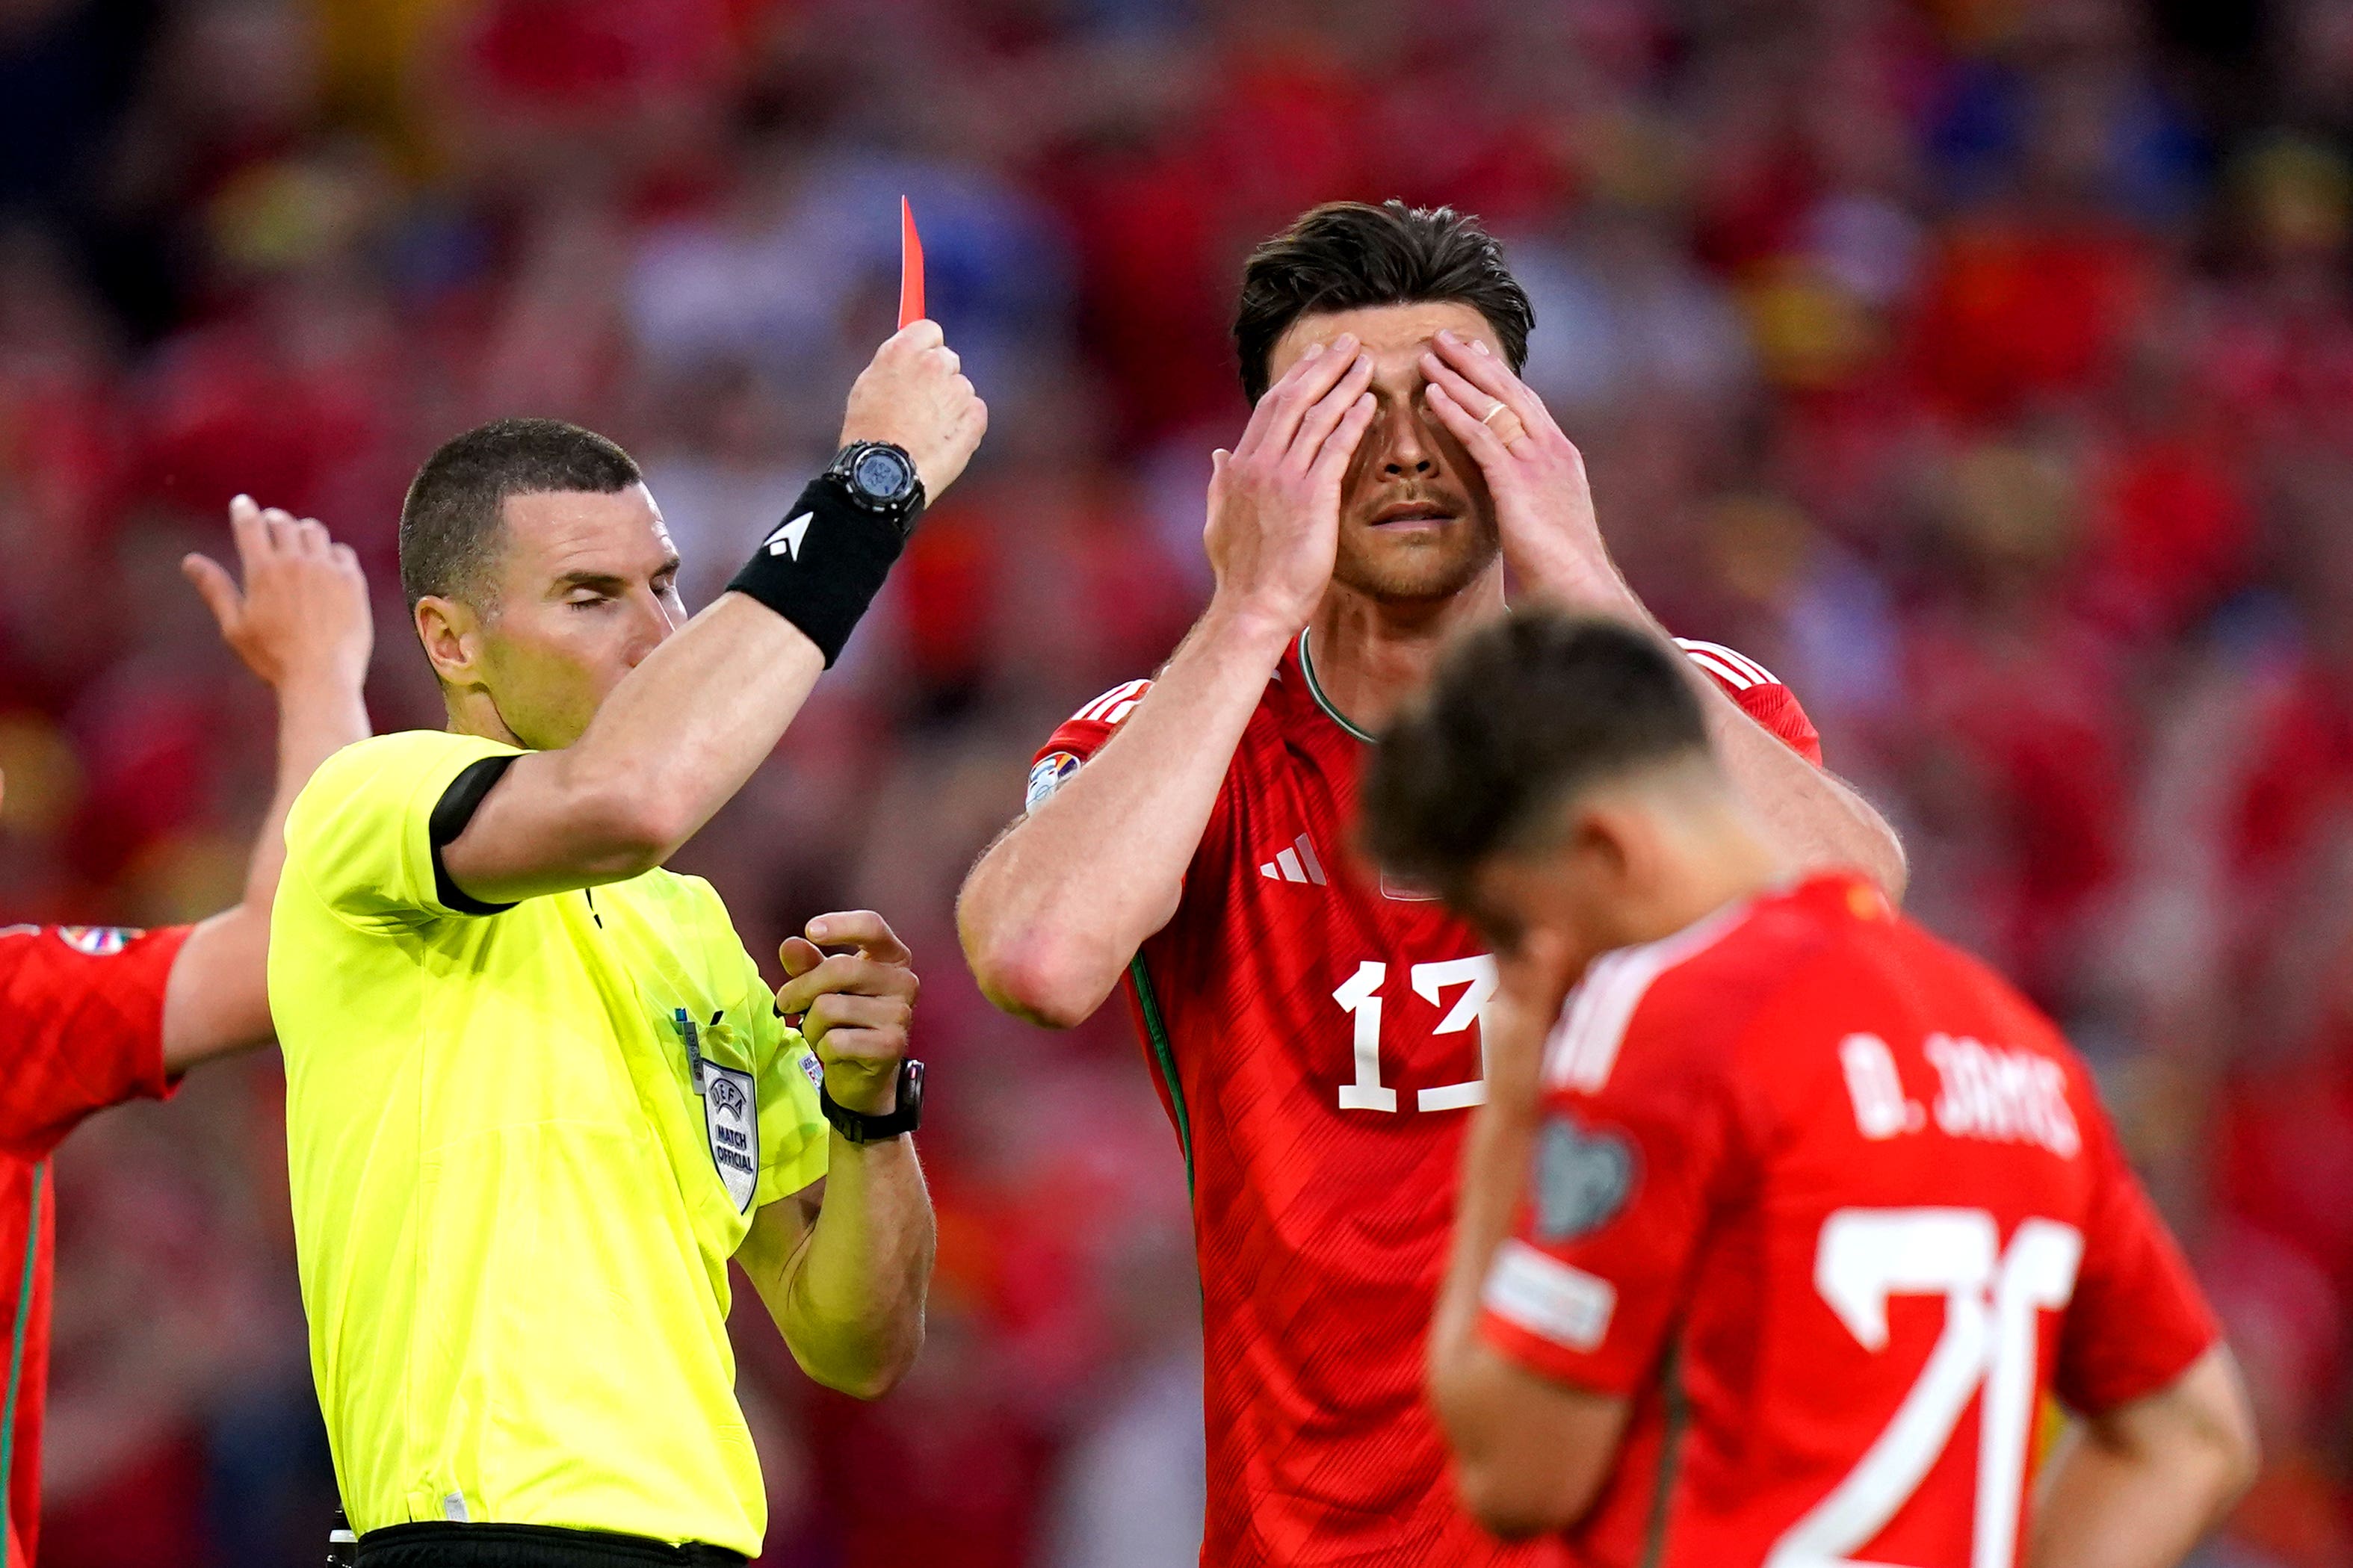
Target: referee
(538, 1094)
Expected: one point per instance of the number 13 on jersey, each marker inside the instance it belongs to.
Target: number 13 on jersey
(1360, 997)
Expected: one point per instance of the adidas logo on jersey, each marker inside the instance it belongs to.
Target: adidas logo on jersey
(1297, 864)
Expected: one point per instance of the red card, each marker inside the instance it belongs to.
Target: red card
(911, 267)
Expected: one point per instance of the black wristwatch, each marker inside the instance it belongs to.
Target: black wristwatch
(880, 477)
(860, 1128)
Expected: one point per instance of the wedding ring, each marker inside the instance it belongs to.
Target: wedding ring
(1509, 429)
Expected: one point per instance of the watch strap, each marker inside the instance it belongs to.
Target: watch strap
(858, 1127)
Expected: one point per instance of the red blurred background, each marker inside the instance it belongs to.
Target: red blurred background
(1983, 367)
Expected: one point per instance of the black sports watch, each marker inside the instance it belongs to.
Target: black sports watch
(860, 1128)
(880, 477)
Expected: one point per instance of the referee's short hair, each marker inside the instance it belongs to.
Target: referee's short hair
(1525, 714)
(454, 517)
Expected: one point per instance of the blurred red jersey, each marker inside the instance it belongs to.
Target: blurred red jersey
(1314, 1036)
(1835, 1207)
(82, 1008)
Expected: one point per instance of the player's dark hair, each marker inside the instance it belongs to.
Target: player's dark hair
(454, 517)
(1347, 255)
(1524, 714)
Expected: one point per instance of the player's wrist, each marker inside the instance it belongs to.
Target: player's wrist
(1253, 623)
(1558, 571)
(307, 684)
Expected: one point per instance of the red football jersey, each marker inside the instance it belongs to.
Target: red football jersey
(1314, 1036)
(83, 1009)
(1836, 1208)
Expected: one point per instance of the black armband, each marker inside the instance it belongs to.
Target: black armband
(823, 564)
(451, 813)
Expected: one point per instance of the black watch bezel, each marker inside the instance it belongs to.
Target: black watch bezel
(901, 506)
(857, 1127)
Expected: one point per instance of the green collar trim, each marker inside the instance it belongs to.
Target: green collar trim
(1315, 689)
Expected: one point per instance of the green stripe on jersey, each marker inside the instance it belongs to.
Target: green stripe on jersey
(1671, 1453)
(1164, 1053)
(16, 1345)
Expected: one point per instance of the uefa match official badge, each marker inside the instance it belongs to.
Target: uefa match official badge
(731, 1114)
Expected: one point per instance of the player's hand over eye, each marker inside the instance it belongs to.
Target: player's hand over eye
(1533, 981)
(1274, 501)
(852, 1007)
(1544, 506)
(302, 613)
(915, 394)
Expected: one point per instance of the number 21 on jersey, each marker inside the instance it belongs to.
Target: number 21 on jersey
(1360, 997)
(1993, 1298)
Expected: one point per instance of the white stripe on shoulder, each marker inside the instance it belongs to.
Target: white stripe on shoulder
(1756, 673)
(1720, 670)
(1593, 1022)
(1100, 710)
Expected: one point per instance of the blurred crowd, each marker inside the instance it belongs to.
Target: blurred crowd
(1985, 367)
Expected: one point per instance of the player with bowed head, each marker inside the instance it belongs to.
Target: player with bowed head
(1316, 1034)
(1779, 1229)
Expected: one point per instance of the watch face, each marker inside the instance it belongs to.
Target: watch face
(882, 474)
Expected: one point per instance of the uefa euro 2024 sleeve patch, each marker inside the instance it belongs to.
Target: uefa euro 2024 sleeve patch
(1050, 773)
(1582, 1179)
(97, 942)
(731, 1112)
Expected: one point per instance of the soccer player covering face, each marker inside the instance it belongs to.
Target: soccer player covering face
(538, 1094)
(92, 1016)
(1777, 1232)
(1316, 1032)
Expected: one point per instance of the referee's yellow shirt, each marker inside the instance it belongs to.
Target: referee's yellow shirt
(513, 1210)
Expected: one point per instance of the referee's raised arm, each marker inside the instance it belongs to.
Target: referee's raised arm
(679, 734)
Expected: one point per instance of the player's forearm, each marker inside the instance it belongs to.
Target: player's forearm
(1813, 818)
(850, 1300)
(2107, 1509)
(318, 716)
(677, 739)
(2139, 1487)
(1055, 909)
(1496, 1147)
(217, 998)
